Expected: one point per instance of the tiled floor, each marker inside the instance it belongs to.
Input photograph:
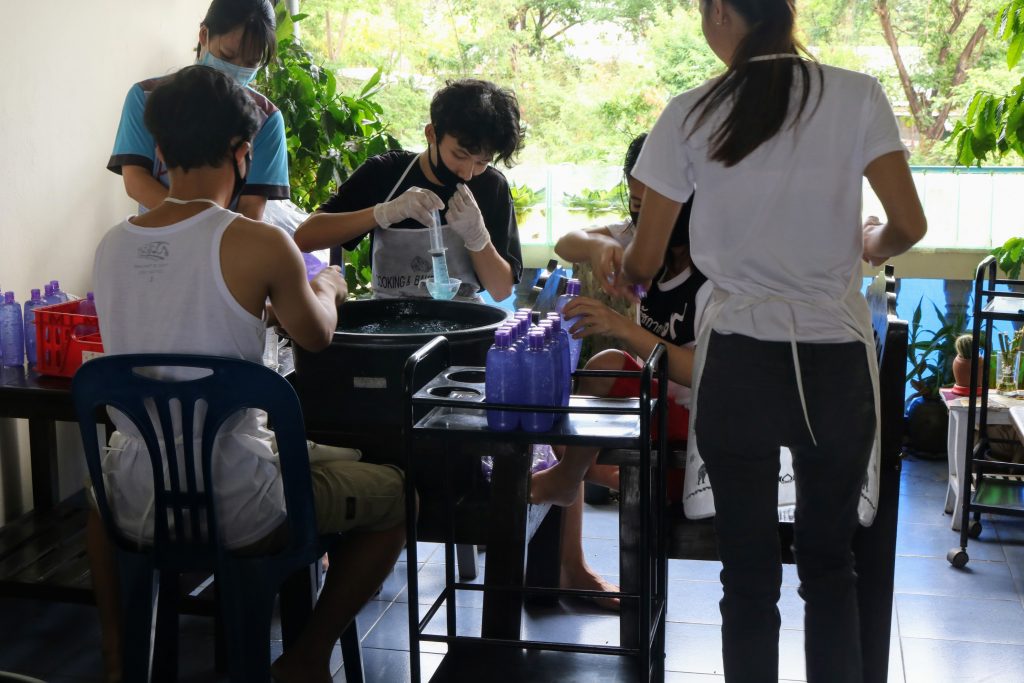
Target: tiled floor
(950, 625)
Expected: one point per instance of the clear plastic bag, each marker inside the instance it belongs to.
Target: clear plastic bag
(542, 456)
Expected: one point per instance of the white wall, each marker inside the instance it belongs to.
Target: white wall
(68, 66)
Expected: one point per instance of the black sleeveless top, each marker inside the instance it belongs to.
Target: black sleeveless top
(670, 313)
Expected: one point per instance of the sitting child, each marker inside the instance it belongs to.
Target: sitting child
(669, 313)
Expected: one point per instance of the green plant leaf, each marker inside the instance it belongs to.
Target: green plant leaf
(370, 84)
(1015, 50)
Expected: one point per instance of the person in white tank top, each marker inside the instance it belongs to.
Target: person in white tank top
(189, 276)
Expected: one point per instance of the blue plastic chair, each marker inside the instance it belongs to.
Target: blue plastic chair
(245, 586)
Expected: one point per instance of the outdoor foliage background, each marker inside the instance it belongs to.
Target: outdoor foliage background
(591, 74)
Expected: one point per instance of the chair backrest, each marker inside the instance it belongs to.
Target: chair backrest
(154, 403)
(891, 346)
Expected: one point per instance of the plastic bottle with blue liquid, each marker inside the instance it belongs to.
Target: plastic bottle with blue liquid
(49, 298)
(12, 332)
(539, 382)
(502, 383)
(87, 306)
(572, 290)
(30, 325)
(59, 294)
(560, 345)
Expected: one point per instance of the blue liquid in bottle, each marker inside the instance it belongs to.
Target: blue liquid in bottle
(12, 332)
(538, 380)
(560, 347)
(30, 325)
(502, 382)
(572, 290)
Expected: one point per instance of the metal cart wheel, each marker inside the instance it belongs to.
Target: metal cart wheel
(974, 529)
(957, 557)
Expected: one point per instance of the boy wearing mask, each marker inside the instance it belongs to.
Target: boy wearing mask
(391, 197)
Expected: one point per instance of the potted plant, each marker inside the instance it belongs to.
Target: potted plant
(931, 354)
(962, 366)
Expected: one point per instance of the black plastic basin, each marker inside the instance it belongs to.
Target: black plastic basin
(355, 385)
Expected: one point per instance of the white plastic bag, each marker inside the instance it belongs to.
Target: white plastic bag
(698, 502)
(284, 214)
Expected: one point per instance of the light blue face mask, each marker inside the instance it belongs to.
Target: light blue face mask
(243, 75)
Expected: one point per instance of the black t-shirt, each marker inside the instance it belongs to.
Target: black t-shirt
(670, 314)
(371, 183)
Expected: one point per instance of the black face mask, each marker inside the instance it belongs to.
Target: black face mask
(239, 178)
(440, 170)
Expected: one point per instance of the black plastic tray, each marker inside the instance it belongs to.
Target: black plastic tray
(458, 398)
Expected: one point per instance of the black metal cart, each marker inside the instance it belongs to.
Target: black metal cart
(446, 403)
(988, 485)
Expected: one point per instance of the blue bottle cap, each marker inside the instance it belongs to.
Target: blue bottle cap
(536, 340)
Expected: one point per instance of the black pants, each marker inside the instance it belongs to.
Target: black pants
(748, 407)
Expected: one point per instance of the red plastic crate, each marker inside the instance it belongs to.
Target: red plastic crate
(65, 338)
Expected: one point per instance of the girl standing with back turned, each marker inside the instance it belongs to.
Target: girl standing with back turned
(777, 147)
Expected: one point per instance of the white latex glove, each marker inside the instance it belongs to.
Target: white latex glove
(415, 203)
(465, 219)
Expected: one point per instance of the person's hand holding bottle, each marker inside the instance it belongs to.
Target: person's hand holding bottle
(330, 281)
(594, 318)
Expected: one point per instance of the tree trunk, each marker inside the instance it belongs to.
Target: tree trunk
(918, 105)
(329, 35)
(343, 30)
(963, 63)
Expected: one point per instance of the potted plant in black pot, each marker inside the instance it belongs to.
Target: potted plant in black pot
(931, 354)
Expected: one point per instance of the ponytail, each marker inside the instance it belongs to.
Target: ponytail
(756, 92)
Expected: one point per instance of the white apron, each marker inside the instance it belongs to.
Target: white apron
(401, 260)
(853, 312)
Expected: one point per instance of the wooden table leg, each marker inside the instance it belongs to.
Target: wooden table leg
(42, 440)
(506, 542)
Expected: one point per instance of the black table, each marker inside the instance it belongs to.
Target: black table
(43, 401)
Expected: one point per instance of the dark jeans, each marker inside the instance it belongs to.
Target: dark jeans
(748, 407)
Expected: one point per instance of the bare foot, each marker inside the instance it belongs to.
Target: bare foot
(605, 475)
(549, 486)
(585, 578)
(292, 668)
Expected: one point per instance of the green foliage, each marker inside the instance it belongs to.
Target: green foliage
(993, 124)
(329, 134)
(1010, 256)
(524, 198)
(596, 203)
(931, 352)
(358, 273)
(681, 57)
(583, 105)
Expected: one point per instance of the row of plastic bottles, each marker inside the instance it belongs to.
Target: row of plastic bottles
(531, 365)
(18, 329)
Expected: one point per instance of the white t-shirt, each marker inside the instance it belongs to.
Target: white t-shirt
(785, 222)
(622, 231)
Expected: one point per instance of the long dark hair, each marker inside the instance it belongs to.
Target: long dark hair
(758, 92)
(256, 17)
